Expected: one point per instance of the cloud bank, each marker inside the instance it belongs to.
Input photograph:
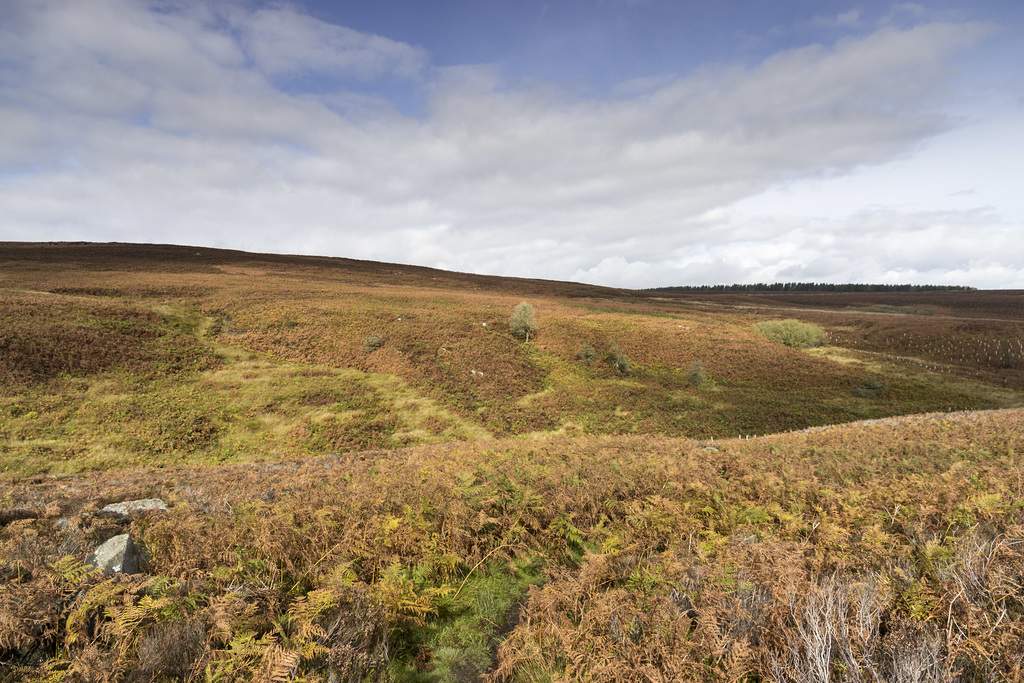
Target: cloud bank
(267, 129)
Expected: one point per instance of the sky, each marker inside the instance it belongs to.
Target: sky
(628, 143)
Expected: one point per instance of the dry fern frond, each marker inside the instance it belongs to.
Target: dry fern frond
(279, 664)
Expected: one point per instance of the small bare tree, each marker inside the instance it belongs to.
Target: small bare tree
(523, 323)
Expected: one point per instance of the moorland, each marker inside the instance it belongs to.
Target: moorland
(370, 477)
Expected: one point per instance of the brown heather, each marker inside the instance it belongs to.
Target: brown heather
(338, 515)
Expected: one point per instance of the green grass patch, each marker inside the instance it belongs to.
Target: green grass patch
(793, 333)
(460, 641)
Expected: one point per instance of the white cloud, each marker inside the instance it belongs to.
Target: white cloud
(905, 11)
(849, 19)
(629, 274)
(283, 42)
(122, 123)
(889, 246)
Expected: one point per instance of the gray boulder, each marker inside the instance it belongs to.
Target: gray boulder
(119, 555)
(132, 508)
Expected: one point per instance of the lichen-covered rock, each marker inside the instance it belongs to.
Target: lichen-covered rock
(132, 508)
(119, 555)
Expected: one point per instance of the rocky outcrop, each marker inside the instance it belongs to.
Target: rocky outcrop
(119, 555)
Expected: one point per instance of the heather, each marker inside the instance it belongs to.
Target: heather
(371, 474)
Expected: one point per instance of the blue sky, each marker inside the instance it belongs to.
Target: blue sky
(631, 143)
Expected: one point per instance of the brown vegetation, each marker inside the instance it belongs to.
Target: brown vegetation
(664, 558)
(341, 510)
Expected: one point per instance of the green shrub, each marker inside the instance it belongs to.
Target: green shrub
(372, 343)
(587, 354)
(523, 323)
(696, 375)
(618, 360)
(792, 333)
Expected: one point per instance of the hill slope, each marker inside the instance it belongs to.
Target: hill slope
(140, 354)
(370, 478)
(892, 548)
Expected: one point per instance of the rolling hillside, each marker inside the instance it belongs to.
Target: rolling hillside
(370, 478)
(110, 350)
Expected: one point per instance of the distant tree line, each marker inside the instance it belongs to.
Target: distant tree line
(813, 287)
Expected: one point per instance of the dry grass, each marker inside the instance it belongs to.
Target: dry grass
(339, 514)
(665, 558)
(110, 349)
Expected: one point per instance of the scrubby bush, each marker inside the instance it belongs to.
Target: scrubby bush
(792, 333)
(372, 343)
(696, 375)
(523, 323)
(587, 354)
(618, 360)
